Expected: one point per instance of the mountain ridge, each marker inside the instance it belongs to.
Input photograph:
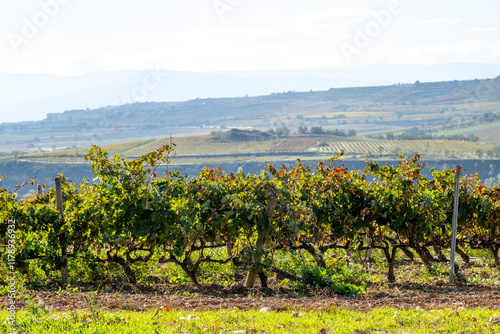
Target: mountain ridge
(32, 96)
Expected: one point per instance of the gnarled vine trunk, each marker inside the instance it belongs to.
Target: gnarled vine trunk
(254, 270)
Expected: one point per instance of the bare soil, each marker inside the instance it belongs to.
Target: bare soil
(215, 297)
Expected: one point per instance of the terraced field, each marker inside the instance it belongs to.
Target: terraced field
(295, 144)
(204, 145)
(402, 146)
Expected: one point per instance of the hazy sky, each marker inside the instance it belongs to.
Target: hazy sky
(70, 37)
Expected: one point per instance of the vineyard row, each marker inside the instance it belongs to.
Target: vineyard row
(128, 214)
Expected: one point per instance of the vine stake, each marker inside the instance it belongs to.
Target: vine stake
(454, 225)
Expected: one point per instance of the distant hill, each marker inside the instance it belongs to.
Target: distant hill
(456, 108)
(32, 96)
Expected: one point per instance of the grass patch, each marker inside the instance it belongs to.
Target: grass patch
(335, 320)
(474, 128)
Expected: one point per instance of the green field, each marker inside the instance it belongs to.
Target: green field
(384, 320)
(472, 129)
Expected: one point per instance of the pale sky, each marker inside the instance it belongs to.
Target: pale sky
(72, 37)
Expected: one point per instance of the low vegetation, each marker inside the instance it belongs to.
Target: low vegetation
(37, 319)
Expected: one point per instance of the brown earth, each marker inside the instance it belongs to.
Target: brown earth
(216, 297)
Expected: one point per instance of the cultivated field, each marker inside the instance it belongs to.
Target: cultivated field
(202, 149)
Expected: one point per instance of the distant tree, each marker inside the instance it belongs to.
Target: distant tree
(390, 136)
(479, 153)
(16, 153)
(487, 116)
(496, 150)
(352, 133)
(282, 132)
(380, 150)
(302, 129)
(317, 130)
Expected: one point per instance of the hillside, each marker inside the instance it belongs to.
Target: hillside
(31, 96)
(451, 108)
(242, 145)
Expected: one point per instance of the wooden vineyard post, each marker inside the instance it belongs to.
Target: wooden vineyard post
(454, 225)
(62, 237)
(40, 190)
(369, 251)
